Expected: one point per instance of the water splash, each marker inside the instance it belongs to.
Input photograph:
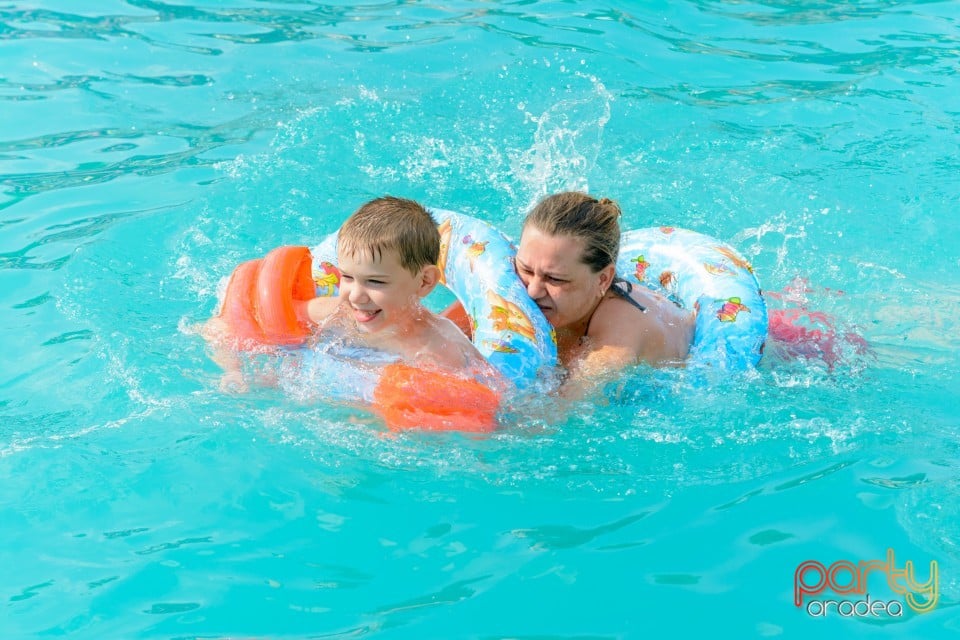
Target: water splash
(566, 144)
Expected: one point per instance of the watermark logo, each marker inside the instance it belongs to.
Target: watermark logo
(812, 579)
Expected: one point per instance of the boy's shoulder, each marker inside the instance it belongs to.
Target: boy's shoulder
(447, 329)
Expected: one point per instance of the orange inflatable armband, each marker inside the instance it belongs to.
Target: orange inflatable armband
(260, 304)
(408, 397)
(238, 311)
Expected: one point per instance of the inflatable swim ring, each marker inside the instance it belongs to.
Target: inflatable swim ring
(705, 274)
(476, 261)
(264, 300)
(708, 276)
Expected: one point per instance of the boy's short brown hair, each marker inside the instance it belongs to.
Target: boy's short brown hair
(396, 224)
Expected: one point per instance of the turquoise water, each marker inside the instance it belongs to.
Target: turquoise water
(148, 147)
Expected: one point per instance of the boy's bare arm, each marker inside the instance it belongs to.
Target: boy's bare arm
(319, 309)
(217, 334)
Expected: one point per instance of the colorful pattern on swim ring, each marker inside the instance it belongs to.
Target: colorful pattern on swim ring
(707, 275)
(477, 265)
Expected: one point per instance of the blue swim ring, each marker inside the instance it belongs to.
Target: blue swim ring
(709, 276)
(476, 261)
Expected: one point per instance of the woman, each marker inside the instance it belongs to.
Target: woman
(567, 261)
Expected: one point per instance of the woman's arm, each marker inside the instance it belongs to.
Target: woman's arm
(594, 367)
(620, 336)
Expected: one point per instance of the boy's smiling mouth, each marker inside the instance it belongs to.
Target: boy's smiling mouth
(365, 315)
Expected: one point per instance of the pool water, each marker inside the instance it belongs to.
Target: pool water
(148, 147)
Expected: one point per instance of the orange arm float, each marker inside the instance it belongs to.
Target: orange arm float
(408, 397)
(238, 312)
(260, 304)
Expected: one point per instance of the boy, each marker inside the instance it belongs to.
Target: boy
(387, 253)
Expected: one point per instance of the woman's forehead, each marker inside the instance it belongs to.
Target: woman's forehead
(549, 252)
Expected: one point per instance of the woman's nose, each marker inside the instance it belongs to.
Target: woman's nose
(535, 287)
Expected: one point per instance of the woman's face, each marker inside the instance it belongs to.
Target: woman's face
(564, 288)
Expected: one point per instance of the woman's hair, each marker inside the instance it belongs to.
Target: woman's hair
(396, 224)
(577, 214)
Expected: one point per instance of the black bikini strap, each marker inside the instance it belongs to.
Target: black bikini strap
(623, 288)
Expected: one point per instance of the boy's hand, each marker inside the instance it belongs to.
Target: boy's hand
(233, 382)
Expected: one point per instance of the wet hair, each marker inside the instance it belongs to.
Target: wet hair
(579, 215)
(392, 224)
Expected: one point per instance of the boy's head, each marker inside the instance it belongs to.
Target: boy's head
(391, 224)
(387, 253)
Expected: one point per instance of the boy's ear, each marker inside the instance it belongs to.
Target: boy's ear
(429, 277)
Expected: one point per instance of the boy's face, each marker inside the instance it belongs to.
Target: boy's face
(380, 292)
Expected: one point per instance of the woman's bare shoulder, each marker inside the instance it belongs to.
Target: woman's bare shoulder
(662, 331)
